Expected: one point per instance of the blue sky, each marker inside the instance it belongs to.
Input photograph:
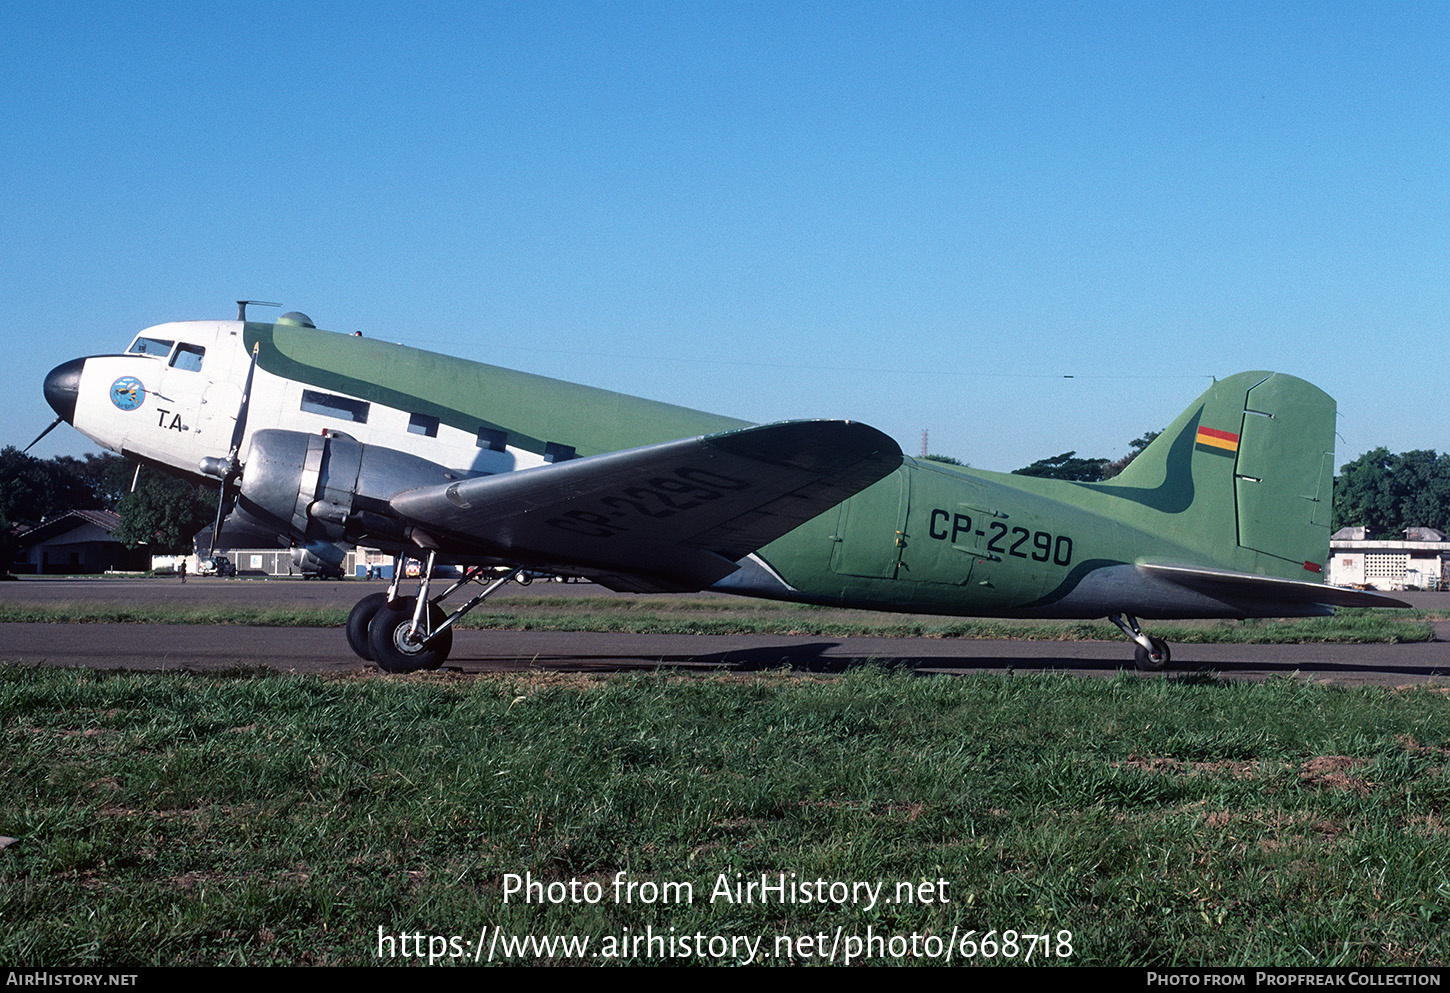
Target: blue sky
(921, 216)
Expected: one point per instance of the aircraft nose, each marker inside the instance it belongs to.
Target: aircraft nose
(62, 386)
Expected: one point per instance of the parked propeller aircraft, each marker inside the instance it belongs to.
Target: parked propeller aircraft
(321, 440)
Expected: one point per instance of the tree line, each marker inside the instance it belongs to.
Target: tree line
(156, 509)
(1069, 466)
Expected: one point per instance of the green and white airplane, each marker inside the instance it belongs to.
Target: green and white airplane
(323, 440)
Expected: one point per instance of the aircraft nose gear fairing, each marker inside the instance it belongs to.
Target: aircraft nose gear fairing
(408, 633)
(1152, 654)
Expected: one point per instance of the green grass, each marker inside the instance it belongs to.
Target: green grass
(686, 615)
(270, 818)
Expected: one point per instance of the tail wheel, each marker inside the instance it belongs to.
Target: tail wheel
(395, 650)
(358, 621)
(1152, 661)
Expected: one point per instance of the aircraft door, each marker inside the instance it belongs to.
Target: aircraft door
(219, 405)
(870, 531)
(175, 408)
(943, 542)
(221, 394)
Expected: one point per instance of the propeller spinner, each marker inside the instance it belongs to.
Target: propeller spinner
(62, 387)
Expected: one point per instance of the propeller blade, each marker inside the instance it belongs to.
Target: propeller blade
(233, 472)
(42, 435)
(222, 509)
(241, 426)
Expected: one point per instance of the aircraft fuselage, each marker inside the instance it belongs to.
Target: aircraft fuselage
(1208, 499)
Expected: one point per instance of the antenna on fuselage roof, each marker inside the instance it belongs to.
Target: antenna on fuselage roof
(242, 307)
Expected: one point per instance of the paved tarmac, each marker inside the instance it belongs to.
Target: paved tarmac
(323, 650)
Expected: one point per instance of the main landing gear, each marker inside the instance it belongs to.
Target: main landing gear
(407, 633)
(1152, 654)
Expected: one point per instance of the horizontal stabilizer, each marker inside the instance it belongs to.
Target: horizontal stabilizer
(1265, 590)
(676, 515)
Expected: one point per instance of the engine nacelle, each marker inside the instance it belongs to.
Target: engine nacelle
(319, 558)
(328, 487)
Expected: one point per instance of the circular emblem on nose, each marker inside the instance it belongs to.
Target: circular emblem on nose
(128, 393)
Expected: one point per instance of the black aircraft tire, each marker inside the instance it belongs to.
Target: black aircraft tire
(387, 637)
(1155, 660)
(357, 624)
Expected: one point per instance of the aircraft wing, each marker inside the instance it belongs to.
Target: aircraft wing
(1240, 586)
(671, 516)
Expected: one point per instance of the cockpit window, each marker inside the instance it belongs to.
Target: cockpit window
(159, 347)
(188, 357)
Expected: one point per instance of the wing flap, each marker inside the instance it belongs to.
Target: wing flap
(1240, 586)
(673, 515)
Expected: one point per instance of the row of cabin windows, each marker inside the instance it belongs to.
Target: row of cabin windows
(356, 411)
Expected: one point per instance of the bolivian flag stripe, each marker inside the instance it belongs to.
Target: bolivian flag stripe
(1220, 442)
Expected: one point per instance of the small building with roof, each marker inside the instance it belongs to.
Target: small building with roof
(78, 541)
(1416, 562)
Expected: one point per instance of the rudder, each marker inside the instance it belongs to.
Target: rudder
(1284, 475)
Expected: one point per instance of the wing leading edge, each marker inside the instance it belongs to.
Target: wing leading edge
(672, 516)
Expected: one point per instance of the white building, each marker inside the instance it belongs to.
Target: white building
(1416, 563)
(261, 561)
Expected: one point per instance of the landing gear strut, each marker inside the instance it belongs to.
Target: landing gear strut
(407, 633)
(1152, 654)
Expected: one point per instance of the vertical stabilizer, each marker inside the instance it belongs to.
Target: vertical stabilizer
(1243, 477)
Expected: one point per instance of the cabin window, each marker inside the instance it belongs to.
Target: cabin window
(493, 439)
(423, 424)
(555, 452)
(330, 405)
(159, 347)
(188, 357)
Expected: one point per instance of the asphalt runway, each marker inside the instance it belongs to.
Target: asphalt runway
(200, 648)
